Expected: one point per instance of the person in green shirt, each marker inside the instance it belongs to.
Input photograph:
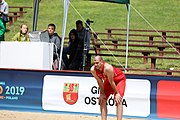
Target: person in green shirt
(22, 36)
(2, 30)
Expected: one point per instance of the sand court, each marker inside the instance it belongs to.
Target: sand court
(14, 115)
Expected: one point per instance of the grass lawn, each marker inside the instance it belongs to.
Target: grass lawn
(160, 14)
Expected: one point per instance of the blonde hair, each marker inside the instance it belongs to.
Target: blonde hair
(26, 36)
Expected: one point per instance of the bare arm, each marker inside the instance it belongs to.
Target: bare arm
(109, 71)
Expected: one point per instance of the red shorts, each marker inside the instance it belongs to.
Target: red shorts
(120, 85)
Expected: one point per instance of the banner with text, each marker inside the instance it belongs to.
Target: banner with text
(77, 92)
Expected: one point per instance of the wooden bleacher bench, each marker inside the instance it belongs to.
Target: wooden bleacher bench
(118, 44)
(153, 58)
(150, 41)
(163, 34)
(109, 35)
(21, 8)
(116, 41)
(13, 15)
(152, 69)
(168, 72)
(13, 18)
(16, 12)
(144, 52)
(160, 47)
(151, 37)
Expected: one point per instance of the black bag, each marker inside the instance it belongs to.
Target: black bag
(5, 18)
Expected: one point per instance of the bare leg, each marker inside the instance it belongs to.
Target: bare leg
(119, 111)
(103, 108)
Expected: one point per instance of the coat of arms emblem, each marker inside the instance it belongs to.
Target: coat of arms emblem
(70, 93)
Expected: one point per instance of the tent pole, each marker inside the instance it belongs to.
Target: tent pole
(35, 17)
(127, 37)
(66, 6)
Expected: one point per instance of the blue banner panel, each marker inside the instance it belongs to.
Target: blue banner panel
(20, 89)
(146, 96)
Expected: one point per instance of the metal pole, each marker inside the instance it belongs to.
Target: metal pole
(66, 6)
(35, 17)
(127, 37)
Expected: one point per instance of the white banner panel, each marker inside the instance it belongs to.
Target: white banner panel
(26, 55)
(80, 94)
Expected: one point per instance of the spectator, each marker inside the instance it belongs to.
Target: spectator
(54, 38)
(84, 38)
(73, 62)
(22, 36)
(4, 10)
(2, 30)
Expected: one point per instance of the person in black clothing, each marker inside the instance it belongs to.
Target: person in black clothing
(72, 62)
